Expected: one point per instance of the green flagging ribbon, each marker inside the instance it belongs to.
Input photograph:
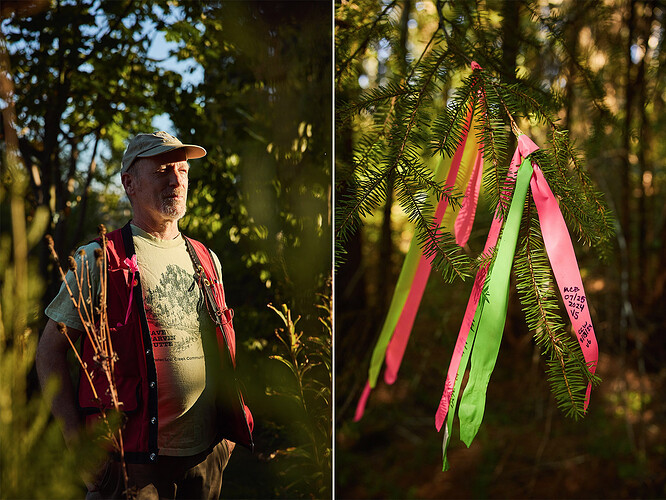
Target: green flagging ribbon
(400, 293)
(411, 262)
(456, 388)
(493, 314)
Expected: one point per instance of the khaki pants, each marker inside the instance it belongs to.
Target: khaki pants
(198, 476)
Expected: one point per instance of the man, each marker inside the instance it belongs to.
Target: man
(172, 334)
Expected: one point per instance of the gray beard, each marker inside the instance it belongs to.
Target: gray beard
(173, 209)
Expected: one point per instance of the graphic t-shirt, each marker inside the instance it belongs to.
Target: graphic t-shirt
(178, 321)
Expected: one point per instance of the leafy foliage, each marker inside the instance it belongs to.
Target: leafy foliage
(250, 81)
(264, 191)
(34, 461)
(83, 84)
(308, 461)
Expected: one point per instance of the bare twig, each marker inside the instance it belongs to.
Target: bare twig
(98, 334)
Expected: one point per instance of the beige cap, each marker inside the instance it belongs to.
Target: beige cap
(145, 145)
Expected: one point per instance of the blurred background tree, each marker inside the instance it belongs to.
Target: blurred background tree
(600, 66)
(251, 82)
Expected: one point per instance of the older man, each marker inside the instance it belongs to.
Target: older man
(172, 333)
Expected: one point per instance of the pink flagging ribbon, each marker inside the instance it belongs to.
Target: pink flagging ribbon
(465, 219)
(470, 311)
(396, 348)
(363, 400)
(565, 268)
(397, 343)
(134, 267)
(525, 147)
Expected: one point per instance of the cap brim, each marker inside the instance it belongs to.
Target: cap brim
(191, 150)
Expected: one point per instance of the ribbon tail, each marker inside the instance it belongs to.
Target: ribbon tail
(470, 311)
(413, 279)
(403, 329)
(465, 219)
(565, 268)
(464, 361)
(491, 323)
(400, 294)
(363, 400)
(445, 445)
(129, 303)
(453, 373)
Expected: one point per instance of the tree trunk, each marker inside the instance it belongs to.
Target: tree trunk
(386, 275)
(626, 188)
(510, 45)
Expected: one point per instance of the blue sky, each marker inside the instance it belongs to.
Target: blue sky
(160, 49)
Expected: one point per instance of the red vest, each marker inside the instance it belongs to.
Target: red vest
(135, 373)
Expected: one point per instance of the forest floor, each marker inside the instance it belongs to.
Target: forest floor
(526, 448)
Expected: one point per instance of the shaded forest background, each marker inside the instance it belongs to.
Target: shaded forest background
(599, 65)
(250, 81)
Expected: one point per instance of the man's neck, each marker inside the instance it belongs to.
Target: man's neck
(163, 230)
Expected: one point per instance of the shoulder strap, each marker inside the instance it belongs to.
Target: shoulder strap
(206, 276)
(128, 241)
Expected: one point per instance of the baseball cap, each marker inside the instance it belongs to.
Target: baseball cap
(145, 145)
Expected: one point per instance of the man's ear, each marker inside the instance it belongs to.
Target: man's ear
(128, 182)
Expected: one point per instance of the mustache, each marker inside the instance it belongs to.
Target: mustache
(176, 192)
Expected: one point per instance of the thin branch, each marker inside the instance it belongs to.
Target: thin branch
(365, 42)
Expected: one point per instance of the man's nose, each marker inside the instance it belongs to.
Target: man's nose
(176, 178)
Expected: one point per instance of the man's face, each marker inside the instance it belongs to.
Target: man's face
(158, 185)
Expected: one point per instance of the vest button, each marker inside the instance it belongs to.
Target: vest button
(148, 352)
(153, 420)
(152, 385)
(153, 457)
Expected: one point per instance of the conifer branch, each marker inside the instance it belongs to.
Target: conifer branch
(535, 288)
(362, 203)
(362, 46)
(494, 144)
(434, 241)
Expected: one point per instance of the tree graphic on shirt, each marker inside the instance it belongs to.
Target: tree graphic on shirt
(171, 309)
